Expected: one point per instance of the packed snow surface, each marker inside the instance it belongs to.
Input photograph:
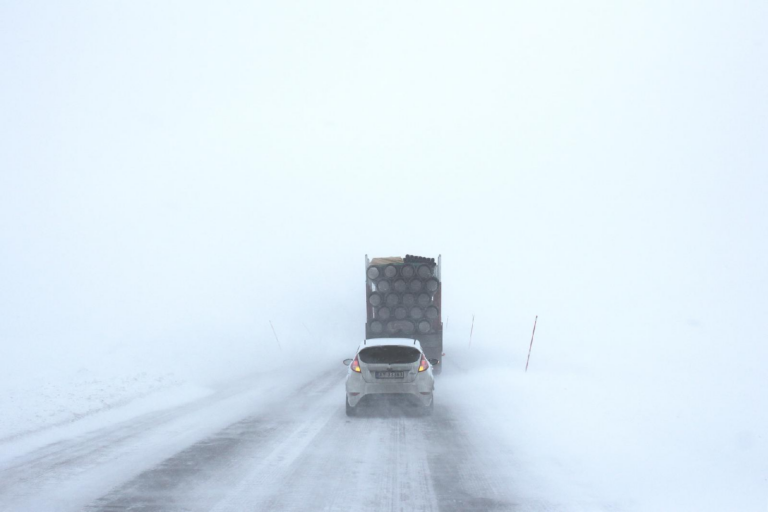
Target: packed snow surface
(500, 439)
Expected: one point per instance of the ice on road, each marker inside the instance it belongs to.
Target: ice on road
(295, 450)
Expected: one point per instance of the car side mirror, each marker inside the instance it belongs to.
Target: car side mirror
(434, 362)
(346, 362)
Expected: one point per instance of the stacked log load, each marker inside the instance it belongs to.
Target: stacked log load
(403, 296)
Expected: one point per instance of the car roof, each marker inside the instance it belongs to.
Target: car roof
(379, 342)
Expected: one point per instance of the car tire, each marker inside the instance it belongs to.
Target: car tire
(351, 411)
(428, 410)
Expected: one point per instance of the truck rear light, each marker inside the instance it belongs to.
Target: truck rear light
(356, 366)
(423, 365)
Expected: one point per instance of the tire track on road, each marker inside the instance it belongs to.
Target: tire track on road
(68, 474)
(220, 469)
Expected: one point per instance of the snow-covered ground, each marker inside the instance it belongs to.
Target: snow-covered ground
(47, 402)
(642, 439)
(46, 389)
(566, 437)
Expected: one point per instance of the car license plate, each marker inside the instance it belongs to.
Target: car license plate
(390, 375)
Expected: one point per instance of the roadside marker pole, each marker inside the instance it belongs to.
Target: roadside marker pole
(275, 333)
(471, 329)
(531, 345)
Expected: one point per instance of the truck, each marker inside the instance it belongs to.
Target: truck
(403, 298)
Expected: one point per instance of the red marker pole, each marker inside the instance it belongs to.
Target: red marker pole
(531, 345)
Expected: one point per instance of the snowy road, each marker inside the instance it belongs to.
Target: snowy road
(294, 450)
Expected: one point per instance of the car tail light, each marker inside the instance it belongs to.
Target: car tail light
(356, 365)
(423, 365)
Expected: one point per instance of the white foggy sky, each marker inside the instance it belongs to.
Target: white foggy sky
(174, 168)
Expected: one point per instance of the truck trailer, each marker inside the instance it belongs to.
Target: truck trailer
(403, 298)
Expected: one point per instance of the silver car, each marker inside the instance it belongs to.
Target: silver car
(386, 368)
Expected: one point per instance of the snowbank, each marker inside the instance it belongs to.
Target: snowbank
(52, 401)
(57, 385)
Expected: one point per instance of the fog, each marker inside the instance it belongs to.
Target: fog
(175, 177)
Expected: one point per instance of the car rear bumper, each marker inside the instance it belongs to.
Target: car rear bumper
(420, 390)
(387, 400)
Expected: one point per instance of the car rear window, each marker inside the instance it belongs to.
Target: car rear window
(389, 355)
